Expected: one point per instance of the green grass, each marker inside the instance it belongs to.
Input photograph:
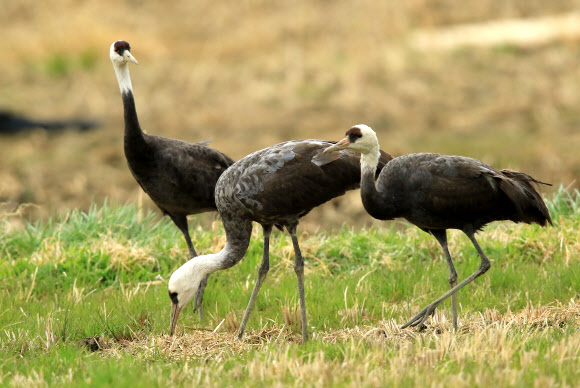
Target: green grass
(104, 273)
(60, 65)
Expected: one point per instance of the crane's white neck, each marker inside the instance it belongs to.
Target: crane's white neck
(122, 72)
(208, 264)
(370, 160)
(214, 262)
(203, 265)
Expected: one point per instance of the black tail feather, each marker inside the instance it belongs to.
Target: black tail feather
(530, 206)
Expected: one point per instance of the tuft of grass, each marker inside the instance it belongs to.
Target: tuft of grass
(565, 202)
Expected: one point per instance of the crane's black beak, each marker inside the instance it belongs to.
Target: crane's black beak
(175, 310)
(344, 143)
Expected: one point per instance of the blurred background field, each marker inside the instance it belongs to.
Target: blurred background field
(248, 74)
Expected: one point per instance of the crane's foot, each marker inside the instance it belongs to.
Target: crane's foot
(421, 317)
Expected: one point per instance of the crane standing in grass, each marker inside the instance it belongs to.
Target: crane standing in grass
(274, 187)
(179, 177)
(439, 192)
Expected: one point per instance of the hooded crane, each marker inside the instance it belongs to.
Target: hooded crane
(274, 187)
(179, 177)
(439, 192)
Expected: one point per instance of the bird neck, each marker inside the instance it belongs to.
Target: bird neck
(374, 202)
(369, 161)
(122, 72)
(238, 234)
(134, 136)
(368, 167)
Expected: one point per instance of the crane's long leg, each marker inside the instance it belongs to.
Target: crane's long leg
(299, 269)
(441, 236)
(262, 272)
(181, 222)
(484, 265)
(197, 307)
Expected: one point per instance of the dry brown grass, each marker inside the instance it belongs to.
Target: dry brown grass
(476, 332)
(249, 74)
(378, 354)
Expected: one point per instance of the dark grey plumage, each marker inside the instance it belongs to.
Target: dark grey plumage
(282, 183)
(179, 177)
(439, 192)
(434, 191)
(274, 187)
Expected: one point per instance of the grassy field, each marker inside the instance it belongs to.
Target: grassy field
(83, 302)
(83, 292)
(250, 74)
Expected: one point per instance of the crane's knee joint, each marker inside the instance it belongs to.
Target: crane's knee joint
(484, 266)
(299, 268)
(264, 268)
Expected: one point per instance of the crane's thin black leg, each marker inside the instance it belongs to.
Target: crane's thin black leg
(181, 222)
(262, 272)
(484, 265)
(299, 269)
(197, 306)
(441, 236)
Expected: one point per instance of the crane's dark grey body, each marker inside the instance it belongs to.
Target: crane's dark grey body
(179, 177)
(275, 187)
(435, 191)
(282, 183)
(439, 192)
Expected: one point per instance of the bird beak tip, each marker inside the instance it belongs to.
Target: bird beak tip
(175, 310)
(340, 145)
(129, 57)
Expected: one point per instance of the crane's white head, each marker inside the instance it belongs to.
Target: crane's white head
(184, 283)
(121, 53)
(360, 138)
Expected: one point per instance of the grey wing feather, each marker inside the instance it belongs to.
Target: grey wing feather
(289, 179)
(461, 188)
(193, 169)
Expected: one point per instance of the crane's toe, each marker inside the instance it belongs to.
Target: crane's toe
(421, 317)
